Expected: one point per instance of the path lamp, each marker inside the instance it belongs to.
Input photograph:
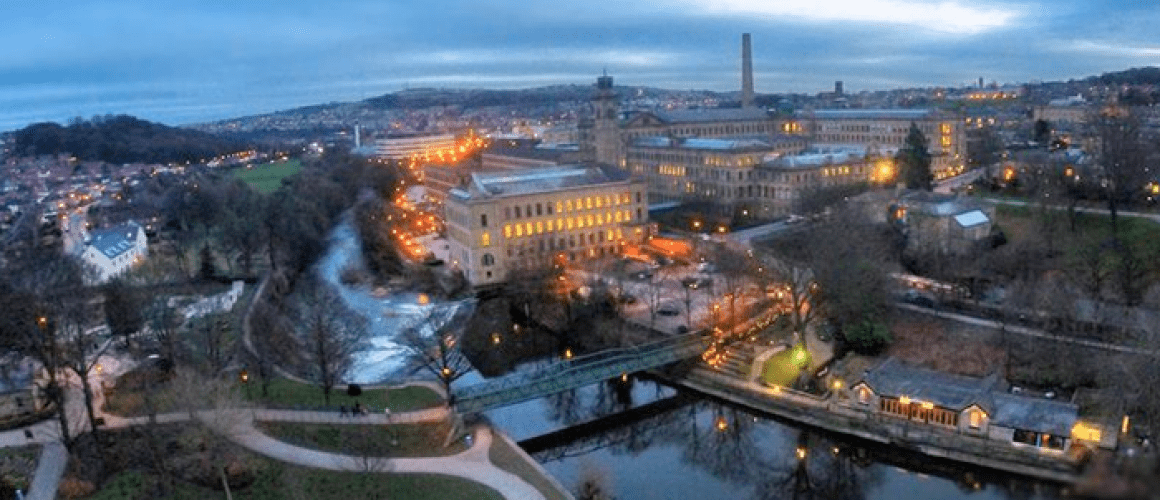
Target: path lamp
(244, 378)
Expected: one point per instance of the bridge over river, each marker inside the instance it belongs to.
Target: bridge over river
(579, 372)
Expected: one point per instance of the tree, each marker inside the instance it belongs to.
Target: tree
(1042, 131)
(123, 309)
(432, 344)
(984, 147)
(329, 333)
(914, 160)
(1122, 155)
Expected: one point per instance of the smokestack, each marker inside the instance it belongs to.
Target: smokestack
(746, 71)
(357, 137)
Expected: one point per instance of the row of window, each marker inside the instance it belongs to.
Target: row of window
(520, 230)
(922, 412)
(564, 206)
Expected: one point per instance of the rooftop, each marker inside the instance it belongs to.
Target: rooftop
(494, 184)
(714, 144)
(895, 378)
(712, 115)
(870, 114)
(116, 240)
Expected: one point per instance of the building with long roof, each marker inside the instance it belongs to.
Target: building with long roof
(499, 222)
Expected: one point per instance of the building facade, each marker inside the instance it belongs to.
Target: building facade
(398, 148)
(884, 129)
(111, 251)
(532, 219)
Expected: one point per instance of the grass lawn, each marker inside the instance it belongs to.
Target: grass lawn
(503, 456)
(278, 481)
(267, 178)
(783, 368)
(285, 393)
(414, 440)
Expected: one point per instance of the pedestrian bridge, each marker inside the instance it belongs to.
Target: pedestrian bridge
(579, 372)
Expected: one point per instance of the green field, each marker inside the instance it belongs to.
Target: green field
(267, 178)
(285, 393)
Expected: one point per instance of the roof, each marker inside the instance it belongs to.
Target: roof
(972, 218)
(712, 115)
(1034, 414)
(956, 392)
(715, 144)
(483, 185)
(116, 240)
(959, 392)
(820, 158)
(871, 114)
(939, 204)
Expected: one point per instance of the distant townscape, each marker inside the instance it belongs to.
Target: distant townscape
(452, 293)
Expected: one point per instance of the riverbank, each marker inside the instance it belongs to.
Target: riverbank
(823, 414)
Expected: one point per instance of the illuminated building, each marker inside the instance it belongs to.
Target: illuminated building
(112, 251)
(403, 147)
(498, 222)
(888, 128)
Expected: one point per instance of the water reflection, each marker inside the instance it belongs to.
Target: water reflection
(679, 445)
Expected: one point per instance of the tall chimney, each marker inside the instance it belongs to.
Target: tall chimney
(357, 136)
(746, 71)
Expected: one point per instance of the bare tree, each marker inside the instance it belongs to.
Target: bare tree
(1122, 156)
(329, 333)
(432, 344)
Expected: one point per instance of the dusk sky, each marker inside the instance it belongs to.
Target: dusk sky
(189, 61)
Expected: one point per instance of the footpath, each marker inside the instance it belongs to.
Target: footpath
(472, 464)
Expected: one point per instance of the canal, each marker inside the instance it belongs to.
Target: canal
(643, 440)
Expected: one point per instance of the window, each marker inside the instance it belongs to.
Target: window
(976, 419)
(638, 197)
(539, 209)
(864, 395)
(482, 220)
(519, 230)
(507, 230)
(487, 260)
(517, 212)
(485, 239)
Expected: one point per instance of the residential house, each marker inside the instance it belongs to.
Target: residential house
(111, 251)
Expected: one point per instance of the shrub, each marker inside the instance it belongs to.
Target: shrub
(868, 337)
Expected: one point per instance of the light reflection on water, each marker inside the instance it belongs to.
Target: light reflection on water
(683, 452)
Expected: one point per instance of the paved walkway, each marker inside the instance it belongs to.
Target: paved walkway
(472, 464)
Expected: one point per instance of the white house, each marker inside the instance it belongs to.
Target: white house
(112, 251)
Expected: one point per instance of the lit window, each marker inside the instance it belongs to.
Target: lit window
(590, 220)
(551, 224)
(528, 228)
(539, 227)
(588, 202)
(559, 207)
(976, 419)
(568, 205)
(519, 230)
(485, 239)
(571, 223)
(507, 230)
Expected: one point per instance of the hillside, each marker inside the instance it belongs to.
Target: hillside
(121, 139)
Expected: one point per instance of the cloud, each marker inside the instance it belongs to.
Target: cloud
(952, 17)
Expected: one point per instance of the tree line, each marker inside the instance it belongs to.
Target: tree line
(121, 139)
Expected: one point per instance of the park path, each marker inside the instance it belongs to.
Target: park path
(472, 464)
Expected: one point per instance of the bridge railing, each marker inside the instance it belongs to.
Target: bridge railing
(614, 361)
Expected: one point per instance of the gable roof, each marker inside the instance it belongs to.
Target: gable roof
(947, 390)
(116, 240)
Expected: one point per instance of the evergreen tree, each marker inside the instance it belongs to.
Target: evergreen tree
(914, 160)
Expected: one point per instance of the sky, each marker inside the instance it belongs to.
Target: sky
(181, 62)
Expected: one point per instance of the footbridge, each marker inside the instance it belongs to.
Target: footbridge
(579, 372)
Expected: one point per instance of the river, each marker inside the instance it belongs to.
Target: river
(665, 443)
